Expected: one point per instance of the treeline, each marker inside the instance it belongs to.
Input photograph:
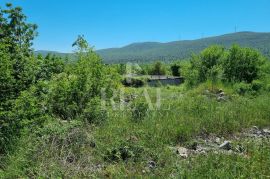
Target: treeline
(245, 68)
(236, 65)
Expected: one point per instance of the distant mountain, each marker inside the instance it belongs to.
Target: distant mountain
(46, 52)
(151, 51)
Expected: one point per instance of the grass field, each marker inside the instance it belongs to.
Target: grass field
(131, 145)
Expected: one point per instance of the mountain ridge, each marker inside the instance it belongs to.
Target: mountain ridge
(144, 52)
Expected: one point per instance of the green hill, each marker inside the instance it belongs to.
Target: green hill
(151, 51)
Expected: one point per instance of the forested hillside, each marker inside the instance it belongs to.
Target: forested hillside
(171, 51)
(145, 52)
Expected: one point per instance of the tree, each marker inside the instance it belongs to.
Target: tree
(190, 71)
(158, 69)
(122, 69)
(242, 64)
(16, 36)
(49, 66)
(210, 57)
(213, 75)
(70, 94)
(175, 70)
(6, 75)
(15, 31)
(18, 66)
(81, 45)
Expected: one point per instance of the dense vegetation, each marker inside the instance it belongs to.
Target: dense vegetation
(74, 119)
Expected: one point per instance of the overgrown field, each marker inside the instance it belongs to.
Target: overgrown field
(128, 145)
(84, 119)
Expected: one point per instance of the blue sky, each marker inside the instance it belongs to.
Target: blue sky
(115, 23)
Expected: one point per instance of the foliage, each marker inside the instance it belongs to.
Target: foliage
(94, 113)
(139, 110)
(210, 61)
(234, 65)
(125, 151)
(18, 65)
(16, 32)
(190, 72)
(52, 123)
(133, 82)
(158, 69)
(175, 70)
(49, 66)
(169, 52)
(71, 94)
(122, 69)
(242, 64)
(242, 88)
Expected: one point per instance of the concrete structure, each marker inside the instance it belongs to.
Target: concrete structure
(156, 80)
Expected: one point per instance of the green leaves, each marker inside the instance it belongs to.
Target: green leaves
(242, 64)
(175, 70)
(94, 113)
(16, 32)
(18, 66)
(158, 69)
(234, 65)
(49, 66)
(210, 60)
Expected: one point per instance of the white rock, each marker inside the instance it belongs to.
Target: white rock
(226, 145)
(266, 131)
(183, 152)
(217, 140)
(221, 94)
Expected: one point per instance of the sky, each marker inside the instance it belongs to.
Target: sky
(116, 23)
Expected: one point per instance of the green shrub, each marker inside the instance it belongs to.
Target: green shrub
(123, 152)
(257, 85)
(71, 92)
(139, 110)
(267, 87)
(61, 148)
(133, 82)
(158, 69)
(242, 88)
(175, 68)
(242, 64)
(64, 96)
(94, 112)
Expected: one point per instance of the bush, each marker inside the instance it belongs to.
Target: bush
(191, 78)
(245, 88)
(242, 64)
(94, 113)
(28, 111)
(139, 110)
(133, 82)
(70, 94)
(158, 69)
(267, 87)
(242, 88)
(257, 85)
(123, 152)
(210, 58)
(62, 148)
(175, 70)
